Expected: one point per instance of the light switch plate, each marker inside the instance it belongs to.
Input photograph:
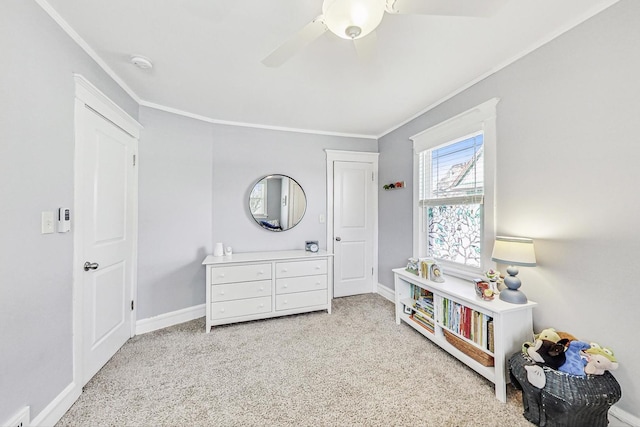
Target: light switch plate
(47, 222)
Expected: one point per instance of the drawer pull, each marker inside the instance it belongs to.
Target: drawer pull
(285, 302)
(284, 270)
(261, 306)
(286, 286)
(260, 272)
(221, 275)
(221, 292)
(222, 310)
(261, 288)
(317, 267)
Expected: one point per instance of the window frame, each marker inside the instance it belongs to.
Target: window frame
(263, 183)
(480, 118)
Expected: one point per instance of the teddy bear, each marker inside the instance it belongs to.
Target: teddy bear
(576, 359)
(599, 360)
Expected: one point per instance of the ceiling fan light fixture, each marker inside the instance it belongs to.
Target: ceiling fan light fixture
(345, 17)
(353, 31)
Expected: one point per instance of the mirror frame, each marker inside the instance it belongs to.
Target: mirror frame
(285, 202)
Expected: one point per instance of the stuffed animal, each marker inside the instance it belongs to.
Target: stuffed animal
(599, 360)
(536, 376)
(548, 334)
(548, 353)
(576, 359)
(567, 335)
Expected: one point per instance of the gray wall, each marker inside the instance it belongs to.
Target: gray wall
(195, 179)
(567, 176)
(36, 163)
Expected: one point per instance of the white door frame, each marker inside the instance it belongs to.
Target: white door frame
(358, 157)
(88, 96)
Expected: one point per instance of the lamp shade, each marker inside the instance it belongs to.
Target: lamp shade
(353, 19)
(514, 251)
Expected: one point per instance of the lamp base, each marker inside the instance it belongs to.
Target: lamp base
(513, 296)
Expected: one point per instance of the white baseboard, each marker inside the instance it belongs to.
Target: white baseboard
(169, 319)
(386, 292)
(624, 416)
(20, 419)
(52, 413)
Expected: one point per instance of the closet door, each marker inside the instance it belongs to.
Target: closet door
(353, 215)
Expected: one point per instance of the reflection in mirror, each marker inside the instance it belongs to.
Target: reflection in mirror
(277, 202)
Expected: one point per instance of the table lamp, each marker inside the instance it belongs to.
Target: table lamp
(513, 251)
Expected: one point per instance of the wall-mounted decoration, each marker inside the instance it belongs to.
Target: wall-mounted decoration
(394, 185)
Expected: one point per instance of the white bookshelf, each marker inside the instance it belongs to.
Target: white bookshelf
(512, 323)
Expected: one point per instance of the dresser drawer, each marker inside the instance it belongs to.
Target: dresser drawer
(240, 273)
(301, 299)
(240, 307)
(301, 268)
(241, 290)
(301, 284)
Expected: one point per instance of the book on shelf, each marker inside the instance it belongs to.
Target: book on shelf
(490, 346)
(468, 323)
(425, 322)
(417, 292)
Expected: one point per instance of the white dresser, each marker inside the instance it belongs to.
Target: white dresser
(259, 285)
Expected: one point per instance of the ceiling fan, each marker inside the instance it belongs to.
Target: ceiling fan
(357, 19)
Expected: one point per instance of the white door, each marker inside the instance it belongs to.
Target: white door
(108, 199)
(353, 228)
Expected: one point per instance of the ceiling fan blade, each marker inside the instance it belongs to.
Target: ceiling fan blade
(475, 8)
(289, 48)
(367, 47)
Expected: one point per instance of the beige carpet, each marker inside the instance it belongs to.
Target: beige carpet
(352, 367)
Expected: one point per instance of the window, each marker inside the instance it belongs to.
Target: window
(455, 168)
(451, 196)
(258, 199)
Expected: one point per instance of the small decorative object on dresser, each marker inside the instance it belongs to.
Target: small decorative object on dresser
(311, 246)
(219, 249)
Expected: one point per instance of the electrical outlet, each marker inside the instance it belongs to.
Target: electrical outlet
(47, 222)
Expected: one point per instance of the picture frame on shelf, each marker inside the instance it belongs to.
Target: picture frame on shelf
(407, 309)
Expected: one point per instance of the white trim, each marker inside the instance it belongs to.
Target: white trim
(165, 320)
(21, 418)
(481, 117)
(361, 157)
(87, 95)
(386, 292)
(624, 416)
(54, 411)
(538, 44)
(100, 103)
(251, 125)
(44, 4)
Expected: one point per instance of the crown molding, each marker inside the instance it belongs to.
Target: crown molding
(251, 125)
(85, 46)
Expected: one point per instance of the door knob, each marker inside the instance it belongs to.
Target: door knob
(338, 239)
(90, 266)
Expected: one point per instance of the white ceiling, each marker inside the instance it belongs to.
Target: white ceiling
(207, 58)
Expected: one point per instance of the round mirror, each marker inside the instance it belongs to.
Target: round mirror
(277, 202)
